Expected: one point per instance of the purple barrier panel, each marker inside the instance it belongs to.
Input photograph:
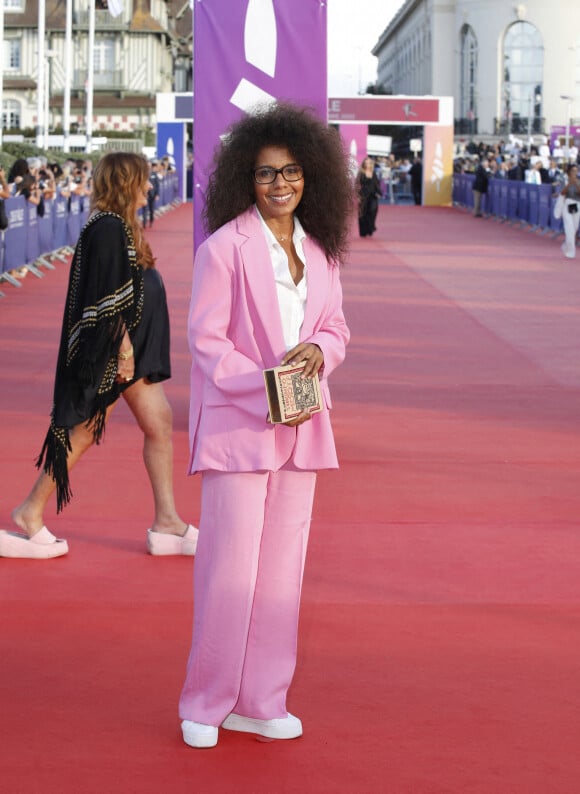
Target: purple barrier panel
(455, 188)
(502, 209)
(533, 204)
(468, 190)
(32, 245)
(15, 234)
(45, 228)
(523, 201)
(59, 222)
(85, 209)
(512, 202)
(74, 221)
(469, 179)
(544, 205)
(164, 191)
(492, 197)
(556, 224)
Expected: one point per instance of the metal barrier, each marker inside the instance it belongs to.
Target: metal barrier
(34, 242)
(512, 202)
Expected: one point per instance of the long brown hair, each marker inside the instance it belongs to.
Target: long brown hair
(118, 179)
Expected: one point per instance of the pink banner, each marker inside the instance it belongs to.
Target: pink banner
(376, 110)
(246, 53)
(355, 142)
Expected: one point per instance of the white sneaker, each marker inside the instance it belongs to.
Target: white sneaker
(288, 727)
(196, 734)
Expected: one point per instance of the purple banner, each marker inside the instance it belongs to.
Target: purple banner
(559, 132)
(246, 53)
(171, 144)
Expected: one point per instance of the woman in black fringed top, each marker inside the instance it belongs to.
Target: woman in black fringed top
(114, 342)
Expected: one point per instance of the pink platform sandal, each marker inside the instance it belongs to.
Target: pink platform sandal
(43, 545)
(161, 544)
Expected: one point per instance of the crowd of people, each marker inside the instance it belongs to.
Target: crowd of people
(534, 164)
(38, 180)
(537, 164)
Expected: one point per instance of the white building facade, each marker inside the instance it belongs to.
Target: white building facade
(145, 50)
(512, 67)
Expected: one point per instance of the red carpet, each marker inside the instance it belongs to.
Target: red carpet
(440, 631)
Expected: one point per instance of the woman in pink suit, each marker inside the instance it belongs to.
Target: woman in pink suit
(266, 291)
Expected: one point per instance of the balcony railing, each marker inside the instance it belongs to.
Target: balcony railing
(466, 126)
(111, 80)
(520, 125)
(103, 20)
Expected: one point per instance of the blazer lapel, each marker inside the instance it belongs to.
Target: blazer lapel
(259, 278)
(317, 287)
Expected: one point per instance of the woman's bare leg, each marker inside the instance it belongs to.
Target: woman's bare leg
(29, 515)
(151, 409)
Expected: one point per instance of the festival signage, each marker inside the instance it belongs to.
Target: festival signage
(249, 53)
(171, 143)
(407, 110)
(354, 137)
(437, 165)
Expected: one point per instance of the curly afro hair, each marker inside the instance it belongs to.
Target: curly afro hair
(327, 201)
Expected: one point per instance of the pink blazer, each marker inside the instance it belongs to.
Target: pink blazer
(234, 333)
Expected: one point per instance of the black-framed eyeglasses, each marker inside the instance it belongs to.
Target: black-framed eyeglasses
(265, 174)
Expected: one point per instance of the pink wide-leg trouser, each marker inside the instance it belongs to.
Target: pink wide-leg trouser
(247, 582)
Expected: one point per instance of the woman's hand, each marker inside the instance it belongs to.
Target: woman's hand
(314, 357)
(305, 416)
(305, 351)
(125, 370)
(125, 361)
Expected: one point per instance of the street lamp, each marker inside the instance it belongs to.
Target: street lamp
(568, 99)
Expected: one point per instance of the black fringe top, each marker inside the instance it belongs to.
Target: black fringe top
(104, 298)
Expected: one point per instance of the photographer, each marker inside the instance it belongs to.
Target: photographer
(46, 184)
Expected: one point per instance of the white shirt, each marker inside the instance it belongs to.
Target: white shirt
(291, 296)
